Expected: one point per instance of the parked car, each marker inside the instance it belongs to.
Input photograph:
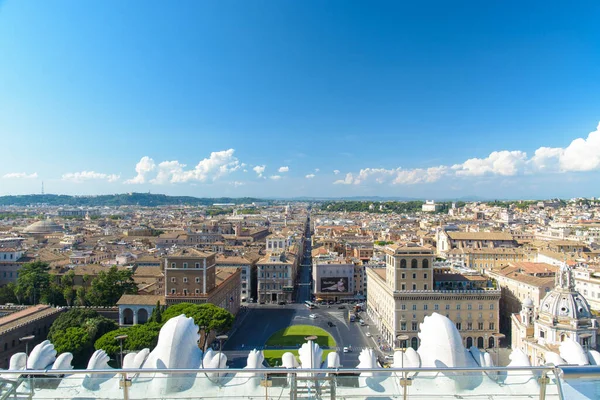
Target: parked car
(346, 350)
(313, 316)
(369, 334)
(330, 324)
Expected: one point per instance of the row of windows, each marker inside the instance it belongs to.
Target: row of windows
(185, 265)
(185, 280)
(414, 263)
(469, 326)
(11, 256)
(185, 291)
(437, 307)
(414, 275)
(274, 275)
(414, 286)
(10, 274)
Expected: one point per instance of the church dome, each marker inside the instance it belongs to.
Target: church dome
(43, 227)
(564, 302)
(561, 304)
(528, 303)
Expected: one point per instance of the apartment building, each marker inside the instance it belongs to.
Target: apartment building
(192, 276)
(491, 258)
(247, 270)
(400, 295)
(521, 282)
(275, 277)
(587, 283)
(447, 240)
(11, 261)
(334, 280)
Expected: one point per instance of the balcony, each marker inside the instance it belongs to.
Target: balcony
(279, 383)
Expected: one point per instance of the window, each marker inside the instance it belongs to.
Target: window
(492, 327)
(197, 291)
(414, 263)
(403, 275)
(185, 279)
(414, 326)
(425, 307)
(414, 276)
(425, 263)
(542, 333)
(403, 307)
(436, 307)
(403, 286)
(403, 263)
(491, 306)
(173, 280)
(185, 292)
(481, 306)
(480, 326)
(172, 291)
(184, 265)
(491, 315)
(402, 326)
(459, 326)
(197, 265)
(468, 307)
(172, 265)
(458, 306)
(414, 307)
(425, 286)
(197, 280)
(447, 306)
(414, 286)
(425, 276)
(469, 326)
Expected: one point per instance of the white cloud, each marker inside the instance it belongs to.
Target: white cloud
(275, 177)
(505, 163)
(317, 169)
(237, 183)
(20, 175)
(259, 169)
(310, 176)
(348, 180)
(580, 155)
(336, 171)
(143, 167)
(79, 177)
(283, 169)
(219, 163)
(167, 170)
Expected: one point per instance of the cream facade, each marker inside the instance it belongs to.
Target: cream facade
(400, 295)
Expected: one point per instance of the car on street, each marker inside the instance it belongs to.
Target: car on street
(369, 334)
(313, 316)
(347, 350)
(330, 324)
(342, 307)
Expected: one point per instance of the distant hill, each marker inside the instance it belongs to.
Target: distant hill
(115, 200)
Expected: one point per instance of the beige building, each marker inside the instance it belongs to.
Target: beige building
(193, 276)
(275, 278)
(400, 295)
(447, 240)
(562, 315)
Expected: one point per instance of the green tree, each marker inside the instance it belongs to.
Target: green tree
(138, 337)
(7, 294)
(157, 313)
(90, 321)
(108, 287)
(211, 319)
(67, 282)
(75, 340)
(33, 282)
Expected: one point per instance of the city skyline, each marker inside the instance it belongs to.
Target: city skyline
(312, 99)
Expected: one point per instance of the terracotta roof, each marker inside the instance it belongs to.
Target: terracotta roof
(479, 235)
(141, 300)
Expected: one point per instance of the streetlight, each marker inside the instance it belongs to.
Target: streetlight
(26, 340)
(120, 338)
(221, 339)
(403, 338)
(310, 342)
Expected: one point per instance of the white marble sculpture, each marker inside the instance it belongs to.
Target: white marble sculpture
(42, 356)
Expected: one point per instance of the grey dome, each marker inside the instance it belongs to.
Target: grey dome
(562, 304)
(41, 227)
(528, 303)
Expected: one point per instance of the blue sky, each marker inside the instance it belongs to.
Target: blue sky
(421, 99)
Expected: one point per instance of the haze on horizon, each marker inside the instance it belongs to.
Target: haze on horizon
(291, 99)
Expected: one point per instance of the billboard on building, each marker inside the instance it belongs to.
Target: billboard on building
(334, 285)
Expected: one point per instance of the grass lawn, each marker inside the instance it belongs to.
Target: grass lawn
(294, 335)
(273, 357)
